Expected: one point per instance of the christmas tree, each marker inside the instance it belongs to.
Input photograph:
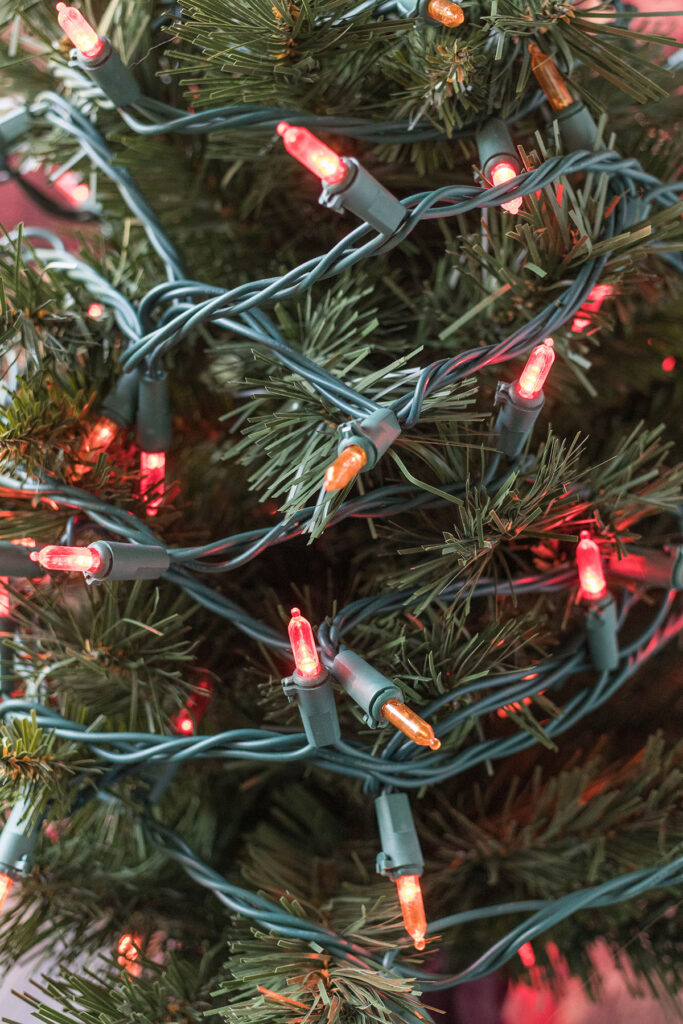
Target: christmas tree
(341, 517)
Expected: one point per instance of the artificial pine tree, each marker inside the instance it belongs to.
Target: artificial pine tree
(407, 412)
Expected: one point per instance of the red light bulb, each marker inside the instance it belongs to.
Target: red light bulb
(185, 721)
(596, 297)
(527, 955)
(64, 559)
(5, 608)
(412, 908)
(152, 478)
(530, 384)
(312, 153)
(589, 564)
(95, 310)
(82, 35)
(303, 646)
(501, 173)
(5, 886)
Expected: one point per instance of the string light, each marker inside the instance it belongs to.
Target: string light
(185, 721)
(96, 441)
(5, 607)
(95, 310)
(412, 908)
(67, 559)
(501, 173)
(5, 885)
(446, 13)
(80, 32)
(592, 304)
(152, 480)
(128, 954)
(550, 79)
(589, 564)
(345, 467)
(312, 153)
(303, 646)
(410, 724)
(537, 368)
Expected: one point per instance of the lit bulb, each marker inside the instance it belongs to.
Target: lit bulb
(345, 467)
(128, 954)
(527, 955)
(589, 564)
(550, 79)
(56, 557)
(303, 646)
(592, 304)
(5, 607)
(97, 440)
(501, 173)
(412, 908)
(312, 153)
(152, 479)
(95, 310)
(5, 886)
(537, 368)
(446, 13)
(82, 35)
(188, 718)
(411, 725)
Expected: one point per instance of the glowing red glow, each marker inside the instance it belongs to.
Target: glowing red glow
(589, 564)
(312, 153)
(303, 646)
(669, 364)
(501, 173)
(129, 954)
(82, 35)
(596, 297)
(530, 384)
(5, 886)
(63, 559)
(412, 908)
(527, 955)
(95, 310)
(152, 479)
(185, 721)
(5, 607)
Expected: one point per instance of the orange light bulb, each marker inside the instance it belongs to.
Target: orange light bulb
(411, 725)
(345, 467)
(589, 564)
(5, 607)
(65, 559)
(550, 79)
(5, 886)
(303, 646)
(152, 479)
(129, 954)
(446, 13)
(501, 173)
(534, 375)
(82, 35)
(412, 908)
(97, 440)
(312, 153)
